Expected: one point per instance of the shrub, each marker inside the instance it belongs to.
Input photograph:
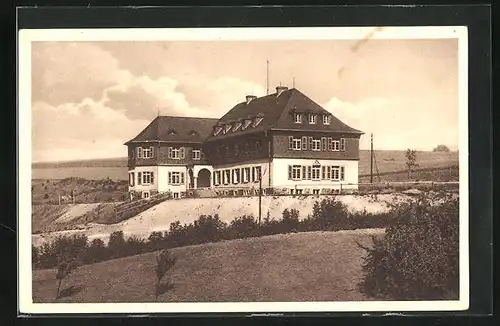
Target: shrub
(329, 215)
(165, 260)
(417, 259)
(208, 228)
(441, 148)
(116, 244)
(290, 221)
(156, 240)
(34, 256)
(243, 227)
(96, 252)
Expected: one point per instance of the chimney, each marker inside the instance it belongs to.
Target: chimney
(250, 98)
(280, 89)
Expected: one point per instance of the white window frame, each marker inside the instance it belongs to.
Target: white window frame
(335, 173)
(297, 118)
(147, 178)
(146, 194)
(217, 178)
(176, 178)
(196, 153)
(131, 179)
(296, 144)
(257, 121)
(316, 173)
(246, 124)
(175, 153)
(296, 172)
(316, 144)
(226, 128)
(217, 131)
(148, 152)
(236, 176)
(312, 119)
(237, 126)
(227, 177)
(327, 119)
(336, 145)
(246, 175)
(139, 152)
(342, 144)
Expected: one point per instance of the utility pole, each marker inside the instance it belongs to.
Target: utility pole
(260, 194)
(371, 158)
(267, 76)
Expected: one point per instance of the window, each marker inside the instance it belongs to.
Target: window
(145, 152)
(237, 126)
(246, 175)
(176, 153)
(131, 179)
(324, 145)
(196, 154)
(312, 119)
(304, 143)
(175, 178)
(294, 172)
(172, 132)
(145, 194)
(297, 118)
(257, 145)
(335, 145)
(335, 173)
(342, 173)
(227, 176)
(316, 144)
(255, 173)
(294, 143)
(217, 178)
(257, 121)
(327, 119)
(315, 191)
(176, 195)
(148, 178)
(246, 123)
(330, 144)
(236, 176)
(217, 130)
(316, 173)
(226, 128)
(342, 144)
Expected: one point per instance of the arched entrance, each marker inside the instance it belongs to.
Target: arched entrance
(204, 178)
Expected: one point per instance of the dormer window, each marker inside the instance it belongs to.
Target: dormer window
(193, 133)
(227, 128)
(312, 119)
(217, 130)
(237, 126)
(297, 118)
(327, 119)
(246, 123)
(172, 132)
(257, 121)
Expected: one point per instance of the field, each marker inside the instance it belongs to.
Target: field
(312, 266)
(116, 168)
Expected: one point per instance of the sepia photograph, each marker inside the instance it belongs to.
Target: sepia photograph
(243, 169)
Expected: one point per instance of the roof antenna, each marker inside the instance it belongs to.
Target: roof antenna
(267, 77)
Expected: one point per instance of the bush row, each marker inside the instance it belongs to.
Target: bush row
(328, 214)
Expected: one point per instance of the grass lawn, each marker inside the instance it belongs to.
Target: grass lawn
(312, 266)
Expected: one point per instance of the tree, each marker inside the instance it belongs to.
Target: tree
(64, 267)
(411, 161)
(165, 260)
(441, 148)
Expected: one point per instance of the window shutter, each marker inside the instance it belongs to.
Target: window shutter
(139, 152)
(289, 172)
(182, 153)
(213, 177)
(139, 178)
(342, 172)
(290, 142)
(323, 144)
(152, 178)
(152, 151)
(330, 145)
(169, 177)
(310, 143)
(323, 172)
(304, 143)
(182, 178)
(304, 172)
(342, 144)
(170, 152)
(309, 173)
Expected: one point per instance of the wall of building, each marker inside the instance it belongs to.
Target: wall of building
(141, 187)
(164, 186)
(280, 174)
(161, 155)
(281, 147)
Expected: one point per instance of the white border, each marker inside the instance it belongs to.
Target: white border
(26, 305)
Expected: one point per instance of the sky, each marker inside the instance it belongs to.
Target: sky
(88, 98)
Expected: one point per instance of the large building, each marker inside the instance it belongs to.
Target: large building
(284, 141)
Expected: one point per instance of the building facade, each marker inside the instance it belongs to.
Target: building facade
(281, 141)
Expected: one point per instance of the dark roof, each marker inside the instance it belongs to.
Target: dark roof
(278, 114)
(176, 129)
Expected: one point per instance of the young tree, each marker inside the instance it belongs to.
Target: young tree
(64, 267)
(411, 160)
(165, 260)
